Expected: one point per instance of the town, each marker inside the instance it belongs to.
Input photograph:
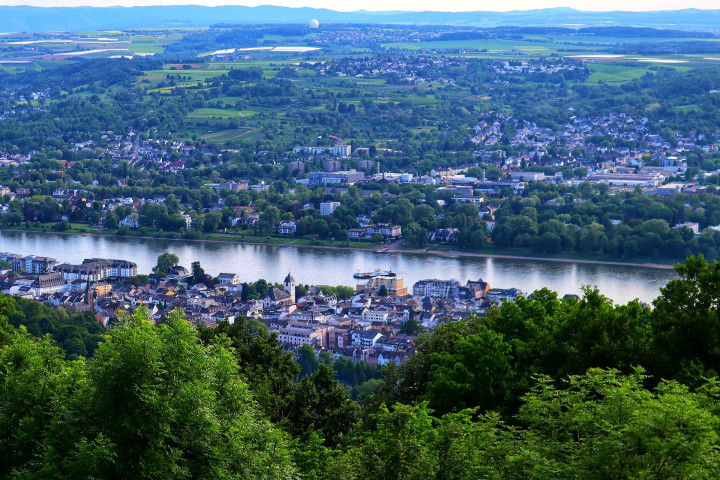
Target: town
(376, 322)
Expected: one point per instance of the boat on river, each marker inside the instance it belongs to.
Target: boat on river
(376, 273)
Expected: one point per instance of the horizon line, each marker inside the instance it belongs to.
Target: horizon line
(191, 3)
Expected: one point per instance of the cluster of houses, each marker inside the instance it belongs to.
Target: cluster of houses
(413, 69)
(365, 327)
(583, 133)
(524, 67)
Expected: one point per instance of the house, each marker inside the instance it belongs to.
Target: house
(500, 295)
(229, 278)
(444, 235)
(96, 269)
(385, 358)
(48, 283)
(369, 316)
(177, 272)
(300, 333)
(222, 316)
(341, 151)
(694, 226)
(287, 227)
(29, 263)
(132, 221)
(276, 297)
(386, 230)
(368, 338)
(478, 288)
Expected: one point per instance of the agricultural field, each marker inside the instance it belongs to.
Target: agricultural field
(216, 113)
(610, 73)
(145, 44)
(488, 46)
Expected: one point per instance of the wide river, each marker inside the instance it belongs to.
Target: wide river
(335, 267)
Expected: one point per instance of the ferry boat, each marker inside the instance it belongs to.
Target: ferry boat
(376, 273)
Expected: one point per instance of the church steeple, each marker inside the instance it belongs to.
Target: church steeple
(290, 286)
(89, 294)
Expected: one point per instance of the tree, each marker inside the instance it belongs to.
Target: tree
(411, 327)
(267, 367)
(473, 375)
(548, 242)
(307, 360)
(179, 410)
(321, 404)
(165, 261)
(197, 271)
(401, 447)
(211, 222)
(271, 215)
(382, 291)
(111, 222)
(172, 204)
(607, 425)
(686, 323)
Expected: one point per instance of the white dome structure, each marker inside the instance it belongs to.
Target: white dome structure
(313, 23)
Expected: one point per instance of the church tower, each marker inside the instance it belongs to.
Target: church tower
(290, 286)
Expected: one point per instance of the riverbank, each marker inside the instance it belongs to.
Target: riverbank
(456, 253)
(442, 251)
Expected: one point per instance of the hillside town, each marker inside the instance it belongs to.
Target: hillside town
(577, 153)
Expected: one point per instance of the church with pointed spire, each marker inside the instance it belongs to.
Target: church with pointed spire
(290, 286)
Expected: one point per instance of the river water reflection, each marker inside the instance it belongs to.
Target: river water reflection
(335, 267)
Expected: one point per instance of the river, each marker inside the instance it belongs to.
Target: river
(335, 267)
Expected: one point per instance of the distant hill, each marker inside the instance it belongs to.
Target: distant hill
(38, 19)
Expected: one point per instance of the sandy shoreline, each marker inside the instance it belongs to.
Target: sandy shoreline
(415, 251)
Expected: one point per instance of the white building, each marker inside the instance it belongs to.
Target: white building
(435, 288)
(341, 150)
(229, 278)
(327, 208)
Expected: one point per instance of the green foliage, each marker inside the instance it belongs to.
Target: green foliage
(342, 292)
(474, 374)
(165, 261)
(609, 425)
(78, 334)
(411, 327)
(598, 425)
(686, 330)
(154, 402)
(307, 360)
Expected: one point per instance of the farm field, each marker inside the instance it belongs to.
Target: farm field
(215, 113)
(145, 44)
(602, 72)
(491, 46)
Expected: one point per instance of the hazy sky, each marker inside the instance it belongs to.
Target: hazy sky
(446, 5)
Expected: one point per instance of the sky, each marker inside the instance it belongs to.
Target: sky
(411, 5)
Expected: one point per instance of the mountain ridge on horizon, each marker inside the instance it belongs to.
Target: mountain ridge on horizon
(45, 19)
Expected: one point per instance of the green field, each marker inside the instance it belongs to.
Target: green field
(233, 134)
(215, 113)
(602, 72)
(145, 44)
(491, 46)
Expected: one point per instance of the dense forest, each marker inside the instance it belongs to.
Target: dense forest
(539, 388)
